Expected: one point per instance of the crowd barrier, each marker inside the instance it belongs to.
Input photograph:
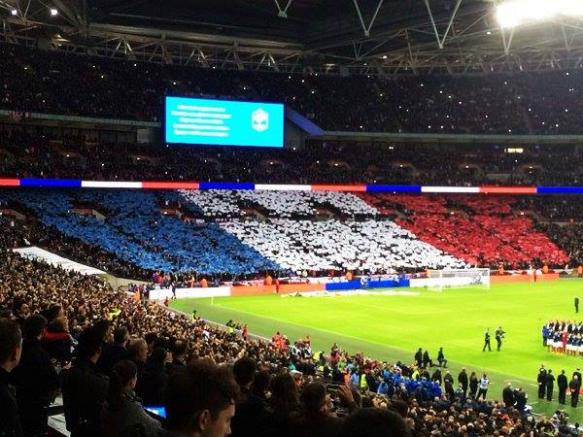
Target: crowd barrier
(388, 283)
(234, 290)
(505, 279)
(260, 290)
(252, 290)
(197, 292)
(369, 188)
(344, 286)
(366, 284)
(301, 288)
(335, 286)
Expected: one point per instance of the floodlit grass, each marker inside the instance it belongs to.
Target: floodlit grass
(391, 328)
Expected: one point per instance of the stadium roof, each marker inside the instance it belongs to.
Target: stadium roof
(334, 36)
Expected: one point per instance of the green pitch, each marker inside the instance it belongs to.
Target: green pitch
(391, 328)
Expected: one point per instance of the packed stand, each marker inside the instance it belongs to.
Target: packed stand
(109, 354)
(22, 234)
(232, 235)
(49, 152)
(519, 103)
(366, 247)
(133, 227)
(569, 237)
(555, 209)
(559, 218)
(281, 204)
(480, 233)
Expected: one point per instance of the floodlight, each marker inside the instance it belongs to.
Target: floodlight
(13, 12)
(54, 12)
(512, 13)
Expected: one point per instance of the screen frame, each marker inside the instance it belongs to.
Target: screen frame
(222, 99)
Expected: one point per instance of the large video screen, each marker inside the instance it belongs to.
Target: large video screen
(223, 122)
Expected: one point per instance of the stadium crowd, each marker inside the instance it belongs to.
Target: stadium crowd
(108, 354)
(546, 102)
(17, 234)
(34, 151)
(366, 246)
(49, 82)
(230, 235)
(569, 237)
(134, 228)
(493, 230)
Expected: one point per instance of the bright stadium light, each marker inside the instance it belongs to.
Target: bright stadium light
(54, 12)
(513, 13)
(14, 12)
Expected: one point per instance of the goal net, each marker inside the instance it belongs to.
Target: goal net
(448, 278)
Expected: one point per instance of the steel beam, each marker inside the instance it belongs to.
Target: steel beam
(408, 50)
(282, 12)
(68, 10)
(507, 42)
(367, 28)
(440, 40)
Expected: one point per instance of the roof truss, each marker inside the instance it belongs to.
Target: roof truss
(465, 40)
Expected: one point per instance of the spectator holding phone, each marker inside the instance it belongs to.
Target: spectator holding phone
(124, 414)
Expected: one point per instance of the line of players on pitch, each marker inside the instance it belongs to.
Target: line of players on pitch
(546, 385)
(563, 337)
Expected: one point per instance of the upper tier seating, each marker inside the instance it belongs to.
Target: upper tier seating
(30, 151)
(549, 102)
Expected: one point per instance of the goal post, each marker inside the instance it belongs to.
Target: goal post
(450, 278)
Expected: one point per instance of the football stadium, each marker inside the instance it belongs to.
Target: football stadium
(332, 218)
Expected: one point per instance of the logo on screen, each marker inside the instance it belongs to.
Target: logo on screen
(260, 120)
